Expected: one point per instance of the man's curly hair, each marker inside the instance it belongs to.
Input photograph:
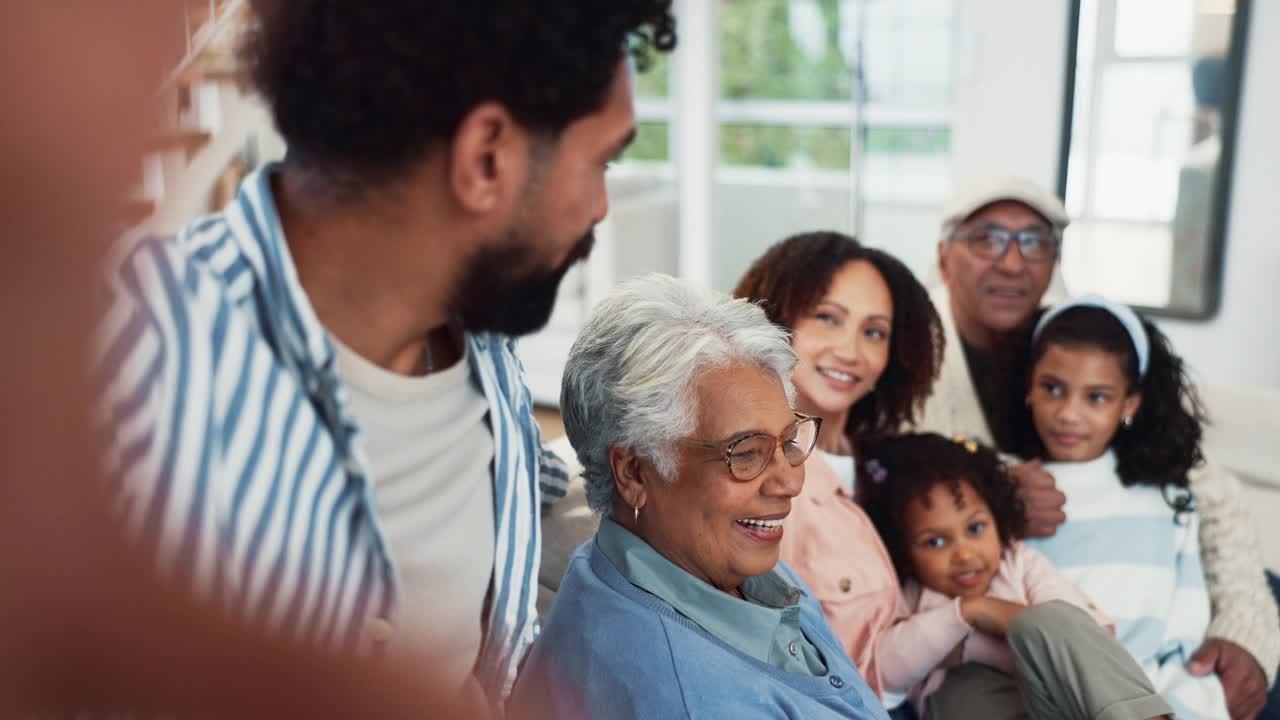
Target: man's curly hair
(365, 88)
(900, 469)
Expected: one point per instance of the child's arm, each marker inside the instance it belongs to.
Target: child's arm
(920, 642)
(917, 643)
(990, 617)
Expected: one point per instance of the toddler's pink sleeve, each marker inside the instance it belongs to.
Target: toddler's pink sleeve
(991, 651)
(917, 643)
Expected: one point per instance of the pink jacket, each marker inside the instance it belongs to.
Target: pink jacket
(930, 625)
(832, 545)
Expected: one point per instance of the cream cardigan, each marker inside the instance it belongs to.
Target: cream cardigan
(1244, 611)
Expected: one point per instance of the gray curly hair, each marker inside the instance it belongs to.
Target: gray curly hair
(630, 374)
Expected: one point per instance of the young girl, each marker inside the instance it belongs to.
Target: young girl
(1120, 427)
(952, 521)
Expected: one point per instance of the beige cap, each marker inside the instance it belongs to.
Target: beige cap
(974, 196)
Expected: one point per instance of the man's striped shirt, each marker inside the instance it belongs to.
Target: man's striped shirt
(236, 458)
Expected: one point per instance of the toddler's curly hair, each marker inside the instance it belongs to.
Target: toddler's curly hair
(901, 469)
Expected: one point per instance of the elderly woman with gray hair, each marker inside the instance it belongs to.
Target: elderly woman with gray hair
(678, 402)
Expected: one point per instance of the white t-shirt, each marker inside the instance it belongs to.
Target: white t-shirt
(843, 465)
(430, 454)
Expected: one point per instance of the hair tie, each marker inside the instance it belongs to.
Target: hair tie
(1127, 317)
(966, 443)
(876, 471)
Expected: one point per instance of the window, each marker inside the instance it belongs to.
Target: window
(801, 81)
(828, 110)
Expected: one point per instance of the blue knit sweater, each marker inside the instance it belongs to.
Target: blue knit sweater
(612, 651)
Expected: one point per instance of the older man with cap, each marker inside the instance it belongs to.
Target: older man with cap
(997, 255)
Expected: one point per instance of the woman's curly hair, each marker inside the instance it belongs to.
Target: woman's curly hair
(365, 88)
(1163, 443)
(899, 470)
(792, 277)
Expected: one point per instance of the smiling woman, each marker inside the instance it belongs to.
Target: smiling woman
(867, 338)
(678, 402)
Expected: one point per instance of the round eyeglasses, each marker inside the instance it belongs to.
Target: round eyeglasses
(748, 456)
(1037, 244)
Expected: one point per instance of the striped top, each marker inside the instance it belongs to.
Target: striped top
(1123, 547)
(236, 459)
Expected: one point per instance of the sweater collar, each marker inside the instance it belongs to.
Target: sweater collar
(746, 625)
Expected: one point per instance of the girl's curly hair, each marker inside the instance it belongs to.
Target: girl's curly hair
(907, 467)
(1163, 443)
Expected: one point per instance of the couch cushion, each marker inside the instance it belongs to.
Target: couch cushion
(565, 525)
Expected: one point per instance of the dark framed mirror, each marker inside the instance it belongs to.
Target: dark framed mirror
(1148, 143)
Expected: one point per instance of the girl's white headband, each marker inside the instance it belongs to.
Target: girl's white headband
(1127, 317)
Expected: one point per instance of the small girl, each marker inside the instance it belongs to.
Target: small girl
(1119, 427)
(952, 521)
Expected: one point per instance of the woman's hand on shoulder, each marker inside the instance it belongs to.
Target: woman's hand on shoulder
(990, 615)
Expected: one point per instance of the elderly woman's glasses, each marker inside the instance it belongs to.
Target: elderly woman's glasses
(1036, 244)
(748, 456)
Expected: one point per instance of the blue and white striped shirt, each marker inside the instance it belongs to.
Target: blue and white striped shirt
(1123, 547)
(236, 458)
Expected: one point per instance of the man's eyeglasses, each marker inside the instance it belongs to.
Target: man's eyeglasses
(748, 456)
(1037, 244)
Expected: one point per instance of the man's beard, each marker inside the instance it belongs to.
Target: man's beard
(498, 294)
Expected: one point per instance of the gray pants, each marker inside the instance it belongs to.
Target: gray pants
(1069, 668)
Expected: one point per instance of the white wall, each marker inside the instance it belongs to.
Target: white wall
(1009, 74)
